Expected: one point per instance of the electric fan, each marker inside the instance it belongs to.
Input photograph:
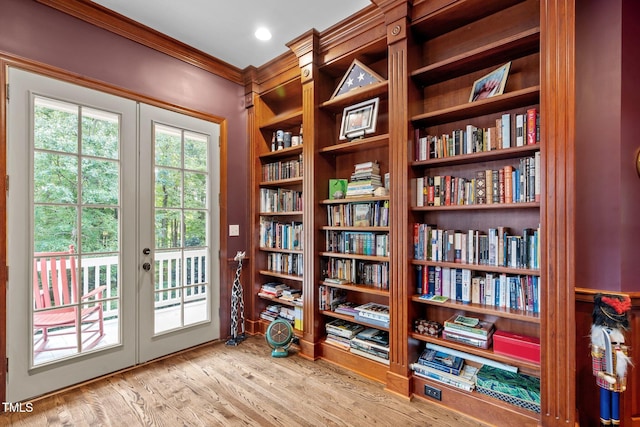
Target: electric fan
(279, 336)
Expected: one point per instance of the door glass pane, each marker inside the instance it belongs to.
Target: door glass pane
(181, 226)
(76, 205)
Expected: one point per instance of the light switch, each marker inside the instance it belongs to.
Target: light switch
(234, 230)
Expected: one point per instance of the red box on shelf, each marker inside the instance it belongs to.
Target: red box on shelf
(521, 346)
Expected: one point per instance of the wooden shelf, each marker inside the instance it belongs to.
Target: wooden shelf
(297, 278)
(344, 358)
(507, 101)
(480, 267)
(485, 156)
(279, 301)
(283, 121)
(356, 256)
(502, 50)
(354, 287)
(356, 145)
(341, 228)
(284, 251)
(352, 319)
(285, 152)
(338, 103)
(290, 213)
(282, 182)
(506, 313)
(484, 206)
(364, 199)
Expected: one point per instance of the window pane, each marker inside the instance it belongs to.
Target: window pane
(168, 229)
(195, 151)
(55, 178)
(100, 182)
(55, 125)
(195, 228)
(55, 228)
(100, 270)
(195, 190)
(100, 133)
(168, 146)
(168, 188)
(100, 230)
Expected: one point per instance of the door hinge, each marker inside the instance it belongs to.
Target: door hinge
(7, 365)
(6, 184)
(219, 141)
(7, 92)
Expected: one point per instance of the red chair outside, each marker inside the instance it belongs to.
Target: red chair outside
(55, 295)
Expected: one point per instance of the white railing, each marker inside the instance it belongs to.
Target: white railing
(168, 275)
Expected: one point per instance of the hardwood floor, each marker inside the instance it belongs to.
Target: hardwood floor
(219, 385)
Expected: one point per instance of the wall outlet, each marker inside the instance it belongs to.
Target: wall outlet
(234, 230)
(432, 392)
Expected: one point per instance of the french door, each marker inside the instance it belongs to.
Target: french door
(112, 231)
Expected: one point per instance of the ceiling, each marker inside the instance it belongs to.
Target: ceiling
(225, 28)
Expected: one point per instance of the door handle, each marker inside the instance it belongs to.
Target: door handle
(146, 266)
(146, 251)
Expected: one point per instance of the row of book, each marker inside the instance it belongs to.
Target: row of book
(344, 270)
(517, 292)
(276, 311)
(285, 263)
(357, 242)
(280, 200)
(371, 214)
(370, 343)
(283, 169)
(508, 184)
(364, 179)
(496, 247)
(278, 235)
(511, 130)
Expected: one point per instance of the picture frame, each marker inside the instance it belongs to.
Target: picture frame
(357, 76)
(490, 85)
(359, 119)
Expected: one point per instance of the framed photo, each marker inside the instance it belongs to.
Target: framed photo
(359, 119)
(490, 85)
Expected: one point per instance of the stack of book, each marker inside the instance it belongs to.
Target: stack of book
(348, 308)
(373, 344)
(469, 330)
(291, 295)
(445, 368)
(272, 290)
(373, 314)
(364, 179)
(340, 332)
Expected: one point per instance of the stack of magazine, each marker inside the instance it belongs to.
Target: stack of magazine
(340, 332)
(373, 344)
(469, 330)
(373, 314)
(445, 368)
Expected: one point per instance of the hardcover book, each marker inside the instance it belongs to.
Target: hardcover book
(441, 361)
(469, 325)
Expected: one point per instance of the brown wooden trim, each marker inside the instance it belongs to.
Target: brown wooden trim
(586, 295)
(109, 20)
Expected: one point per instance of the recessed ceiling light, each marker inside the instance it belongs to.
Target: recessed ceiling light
(263, 34)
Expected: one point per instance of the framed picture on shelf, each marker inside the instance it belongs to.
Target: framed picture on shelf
(490, 85)
(359, 119)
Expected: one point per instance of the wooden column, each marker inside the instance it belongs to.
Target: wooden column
(557, 115)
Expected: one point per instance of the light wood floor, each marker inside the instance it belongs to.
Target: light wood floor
(219, 385)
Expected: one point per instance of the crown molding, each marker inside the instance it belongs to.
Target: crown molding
(116, 23)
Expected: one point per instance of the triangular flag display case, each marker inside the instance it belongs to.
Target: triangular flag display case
(358, 75)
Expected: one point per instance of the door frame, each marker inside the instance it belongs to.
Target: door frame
(8, 60)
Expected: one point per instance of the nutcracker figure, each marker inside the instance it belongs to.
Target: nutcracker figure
(609, 354)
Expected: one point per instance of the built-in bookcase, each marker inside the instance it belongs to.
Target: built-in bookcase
(475, 200)
(277, 213)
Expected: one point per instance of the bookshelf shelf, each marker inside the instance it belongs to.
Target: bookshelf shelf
(507, 153)
(279, 301)
(480, 267)
(355, 256)
(354, 200)
(506, 313)
(297, 278)
(284, 251)
(356, 145)
(375, 229)
(366, 367)
(483, 206)
(354, 287)
(351, 319)
(286, 152)
(290, 213)
(284, 120)
(338, 103)
(282, 182)
(507, 101)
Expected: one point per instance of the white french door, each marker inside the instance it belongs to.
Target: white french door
(112, 231)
